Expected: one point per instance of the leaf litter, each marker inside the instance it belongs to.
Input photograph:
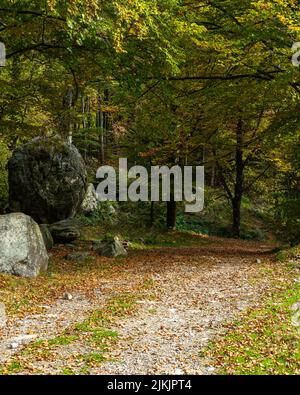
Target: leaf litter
(150, 313)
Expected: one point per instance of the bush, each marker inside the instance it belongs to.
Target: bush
(104, 214)
(253, 234)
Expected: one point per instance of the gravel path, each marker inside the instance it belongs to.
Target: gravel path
(195, 292)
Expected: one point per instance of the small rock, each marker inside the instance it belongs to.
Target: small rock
(65, 231)
(97, 244)
(2, 316)
(13, 346)
(178, 371)
(44, 306)
(71, 246)
(77, 256)
(23, 339)
(110, 248)
(210, 369)
(68, 296)
(156, 277)
(51, 315)
(258, 260)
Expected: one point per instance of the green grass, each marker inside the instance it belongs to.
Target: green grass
(67, 372)
(62, 340)
(263, 342)
(288, 254)
(94, 332)
(12, 368)
(93, 358)
(147, 238)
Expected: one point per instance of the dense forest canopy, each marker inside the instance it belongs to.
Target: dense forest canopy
(162, 82)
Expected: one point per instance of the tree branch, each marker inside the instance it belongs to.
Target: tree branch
(33, 13)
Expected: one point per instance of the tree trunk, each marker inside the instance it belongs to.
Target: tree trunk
(84, 125)
(100, 125)
(152, 214)
(239, 182)
(236, 217)
(68, 105)
(171, 214)
(213, 173)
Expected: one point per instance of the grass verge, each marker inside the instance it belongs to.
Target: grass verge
(264, 342)
(93, 336)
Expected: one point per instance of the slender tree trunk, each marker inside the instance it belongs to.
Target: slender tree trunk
(68, 104)
(171, 214)
(88, 123)
(70, 138)
(152, 214)
(239, 182)
(84, 125)
(213, 173)
(100, 125)
(172, 204)
(236, 217)
(105, 121)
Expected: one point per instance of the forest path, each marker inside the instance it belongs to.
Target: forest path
(192, 293)
(197, 291)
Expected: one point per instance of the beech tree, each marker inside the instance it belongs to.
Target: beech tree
(189, 82)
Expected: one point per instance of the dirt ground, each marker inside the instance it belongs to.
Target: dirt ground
(192, 294)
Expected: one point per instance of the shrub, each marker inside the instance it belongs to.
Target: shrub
(104, 214)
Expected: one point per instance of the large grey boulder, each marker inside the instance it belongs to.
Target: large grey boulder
(22, 248)
(66, 231)
(47, 180)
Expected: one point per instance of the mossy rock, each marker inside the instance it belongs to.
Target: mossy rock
(47, 180)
